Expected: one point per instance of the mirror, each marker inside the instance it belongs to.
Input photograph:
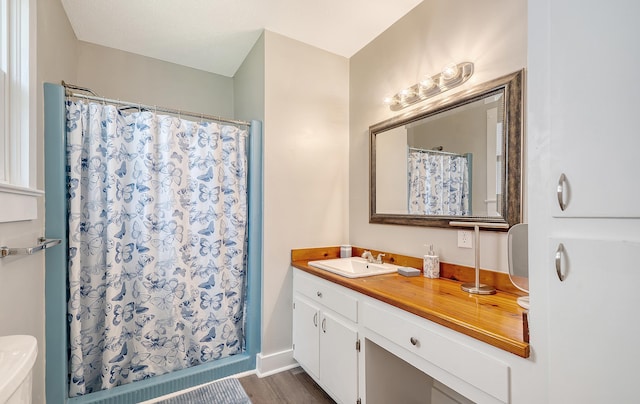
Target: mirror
(458, 159)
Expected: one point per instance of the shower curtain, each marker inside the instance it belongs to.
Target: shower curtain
(157, 239)
(438, 184)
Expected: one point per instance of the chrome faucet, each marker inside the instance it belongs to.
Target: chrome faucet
(368, 256)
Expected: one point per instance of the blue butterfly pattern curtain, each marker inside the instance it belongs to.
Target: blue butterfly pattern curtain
(157, 235)
(438, 184)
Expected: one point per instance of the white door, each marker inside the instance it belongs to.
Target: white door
(306, 320)
(339, 358)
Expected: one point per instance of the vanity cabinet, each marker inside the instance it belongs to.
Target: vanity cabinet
(472, 373)
(584, 255)
(325, 335)
(358, 347)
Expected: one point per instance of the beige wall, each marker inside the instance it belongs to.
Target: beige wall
(306, 140)
(22, 277)
(248, 85)
(492, 35)
(126, 76)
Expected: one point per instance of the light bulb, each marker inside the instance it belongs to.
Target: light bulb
(450, 71)
(389, 100)
(406, 93)
(427, 82)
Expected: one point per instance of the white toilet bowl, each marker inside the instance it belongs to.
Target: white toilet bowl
(17, 356)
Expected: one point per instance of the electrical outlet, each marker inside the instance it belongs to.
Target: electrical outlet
(465, 239)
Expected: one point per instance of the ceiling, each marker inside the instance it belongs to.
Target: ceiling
(216, 35)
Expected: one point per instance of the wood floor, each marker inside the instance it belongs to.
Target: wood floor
(290, 387)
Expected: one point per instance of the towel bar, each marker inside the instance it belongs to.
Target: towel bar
(43, 244)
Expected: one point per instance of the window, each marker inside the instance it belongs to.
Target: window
(17, 110)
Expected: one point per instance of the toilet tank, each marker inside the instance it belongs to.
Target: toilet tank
(17, 357)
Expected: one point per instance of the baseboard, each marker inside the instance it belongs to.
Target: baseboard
(267, 365)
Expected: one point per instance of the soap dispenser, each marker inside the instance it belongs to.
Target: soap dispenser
(431, 264)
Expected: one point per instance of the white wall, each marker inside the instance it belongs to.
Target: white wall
(493, 35)
(306, 140)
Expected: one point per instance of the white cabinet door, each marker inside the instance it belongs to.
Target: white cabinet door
(306, 320)
(339, 358)
(584, 102)
(593, 322)
(594, 60)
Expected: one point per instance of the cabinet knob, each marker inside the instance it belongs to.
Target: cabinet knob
(560, 191)
(315, 319)
(324, 325)
(559, 253)
(414, 341)
(319, 294)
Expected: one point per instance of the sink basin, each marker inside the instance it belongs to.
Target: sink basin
(354, 267)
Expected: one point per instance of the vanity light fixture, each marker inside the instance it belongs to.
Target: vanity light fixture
(476, 287)
(452, 75)
(450, 71)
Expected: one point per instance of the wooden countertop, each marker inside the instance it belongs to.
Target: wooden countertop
(494, 319)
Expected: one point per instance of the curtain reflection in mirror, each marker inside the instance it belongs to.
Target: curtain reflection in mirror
(439, 183)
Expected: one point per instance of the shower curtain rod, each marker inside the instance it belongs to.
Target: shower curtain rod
(437, 152)
(96, 97)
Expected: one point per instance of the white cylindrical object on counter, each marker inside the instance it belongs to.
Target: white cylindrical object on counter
(345, 251)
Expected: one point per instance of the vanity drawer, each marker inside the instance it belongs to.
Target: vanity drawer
(330, 295)
(419, 337)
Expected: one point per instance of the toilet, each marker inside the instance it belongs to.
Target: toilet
(17, 357)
